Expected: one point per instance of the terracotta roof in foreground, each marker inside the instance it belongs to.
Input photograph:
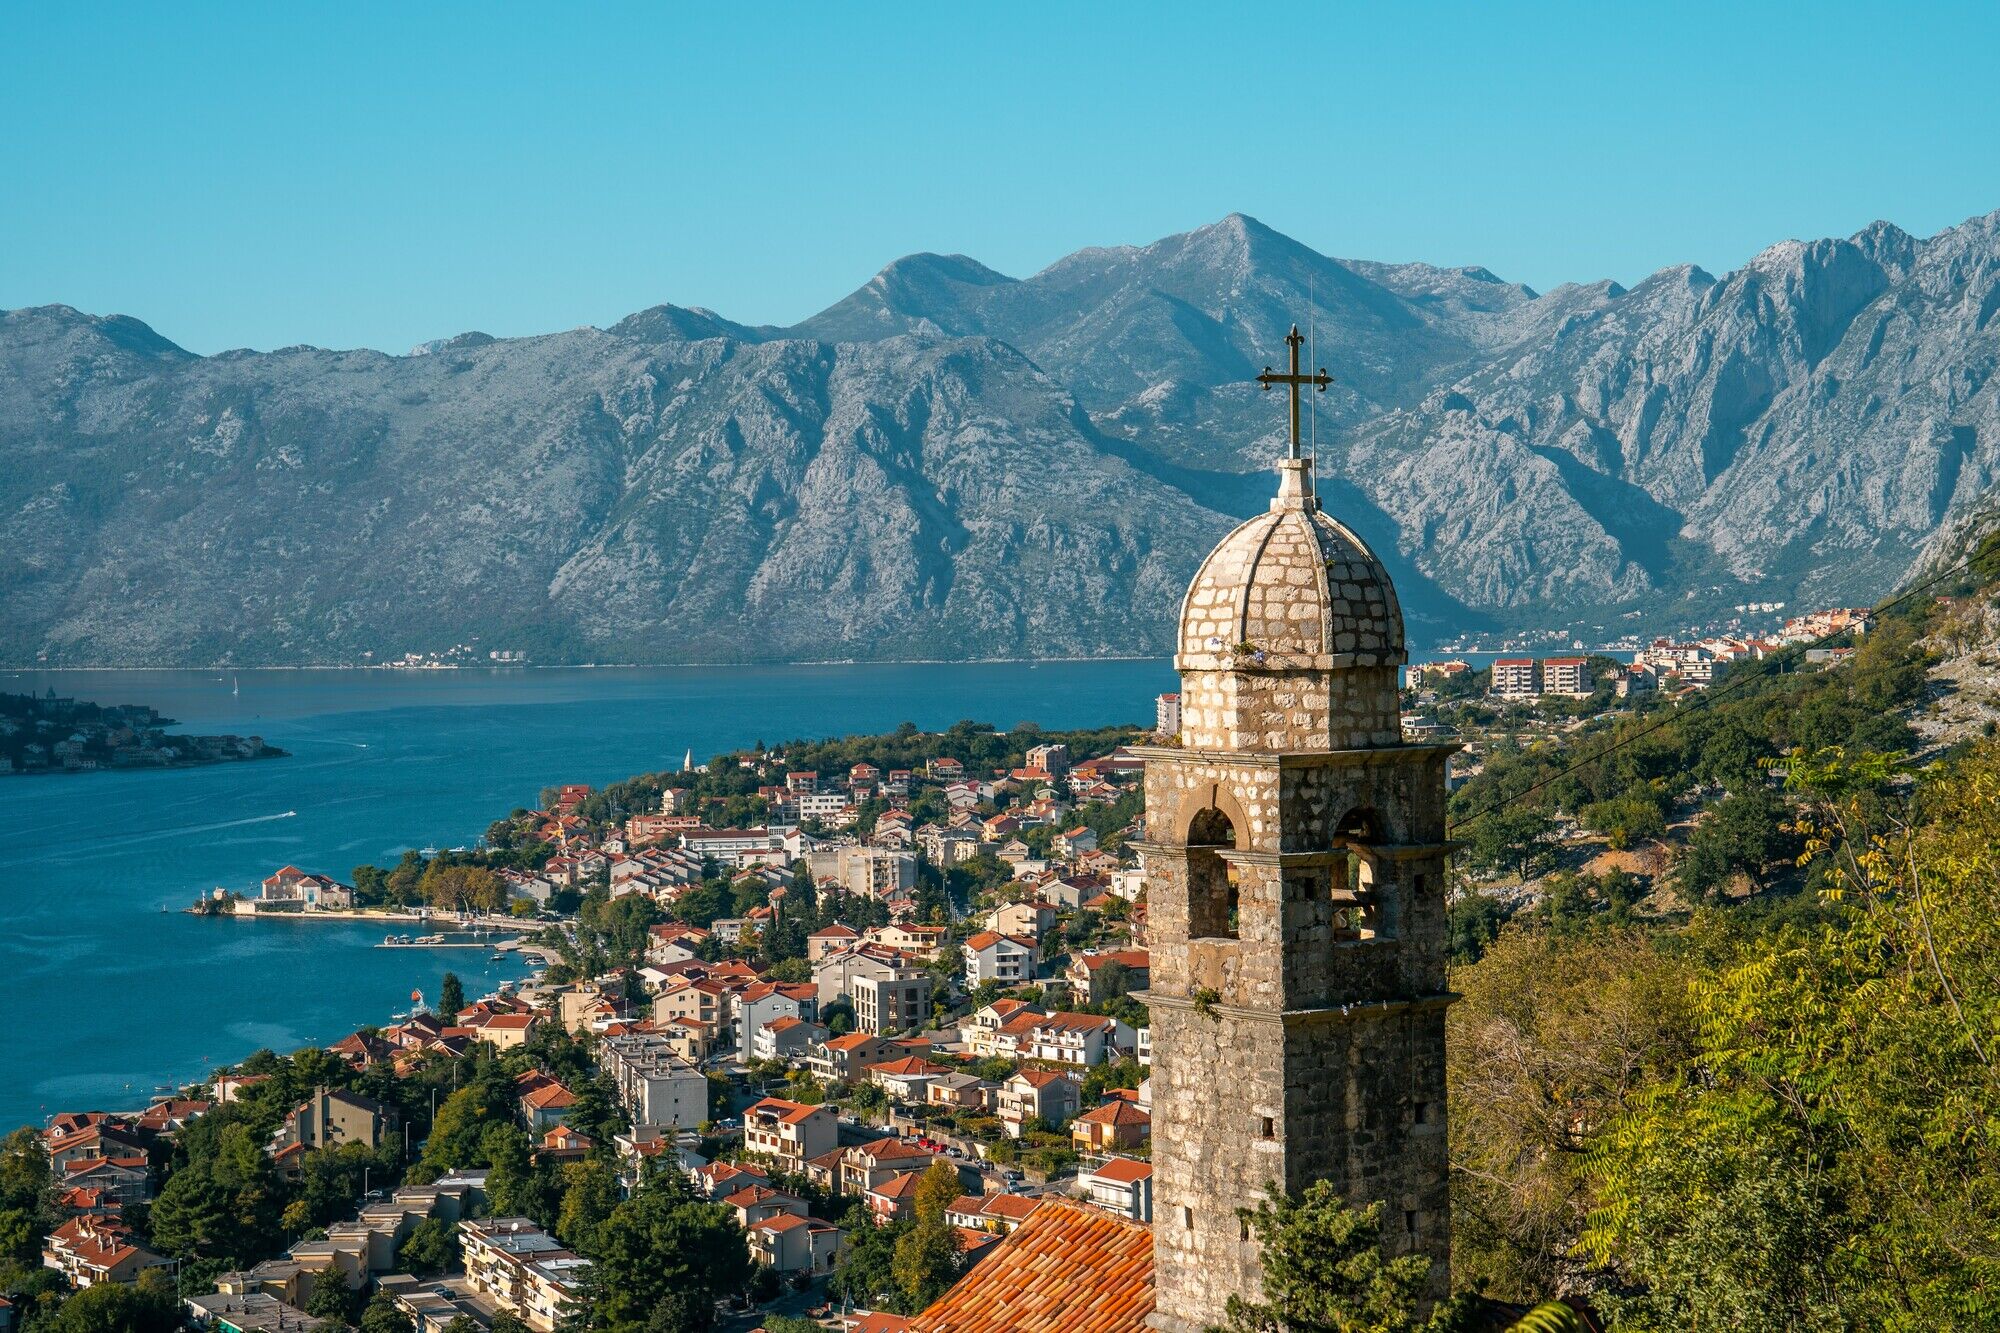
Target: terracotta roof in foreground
(1067, 1270)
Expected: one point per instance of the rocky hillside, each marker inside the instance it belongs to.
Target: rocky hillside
(954, 463)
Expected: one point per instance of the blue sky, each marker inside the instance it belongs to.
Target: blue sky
(375, 175)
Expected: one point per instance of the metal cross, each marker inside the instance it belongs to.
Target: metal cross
(1318, 380)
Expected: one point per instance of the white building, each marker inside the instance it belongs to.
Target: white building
(992, 956)
(655, 1085)
(733, 847)
(521, 1267)
(1568, 676)
(872, 872)
(1121, 1186)
(888, 991)
(1514, 678)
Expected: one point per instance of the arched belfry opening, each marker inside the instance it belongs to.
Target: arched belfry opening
(1364, 897)
(1213, 892)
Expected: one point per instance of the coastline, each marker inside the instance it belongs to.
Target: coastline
(353, 914)
(497, 667)
(57, 771)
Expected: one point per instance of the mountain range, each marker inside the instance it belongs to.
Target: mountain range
(953, 463)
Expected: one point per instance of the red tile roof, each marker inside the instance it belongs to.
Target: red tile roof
(879, 1322)
(1042, 1078)
(781, 1222)
(851, 1041)
(898, 1185)
(1067, 1270)
(888, 1148)
(986, 939)
(1124, 1171)
(1116, 1113)
(548, 1097)
(791, 1113)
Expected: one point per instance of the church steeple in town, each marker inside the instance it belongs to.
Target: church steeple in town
(1295, 855)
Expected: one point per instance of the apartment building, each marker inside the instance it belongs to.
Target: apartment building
(521, 1267)
(655, 1085)
(1569, 676)
(1515, 678)
(790, 1132)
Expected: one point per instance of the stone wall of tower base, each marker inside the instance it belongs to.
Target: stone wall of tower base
(1214, 1079)
(1366, 1091)
(1243, 1100)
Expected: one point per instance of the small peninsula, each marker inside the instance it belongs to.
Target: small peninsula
(42, 733)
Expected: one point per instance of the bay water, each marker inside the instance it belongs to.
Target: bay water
(107, 997)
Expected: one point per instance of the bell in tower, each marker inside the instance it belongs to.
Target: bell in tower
(1295, 858)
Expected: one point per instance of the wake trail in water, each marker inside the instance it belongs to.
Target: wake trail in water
(153, 835)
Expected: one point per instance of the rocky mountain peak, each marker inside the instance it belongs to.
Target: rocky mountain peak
(952, 462)
(672, 323)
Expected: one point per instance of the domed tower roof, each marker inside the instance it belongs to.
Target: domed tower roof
(1291, 589)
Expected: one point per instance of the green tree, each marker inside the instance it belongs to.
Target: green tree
(866, 1272)
(937, 1189)
(1638, 815)
(451, 996)
(229, 1204)
(925, 1263)
(109, 1308)
(1744, 833)
(590, 1196)
(925, 1260)
(332, 1298)
(1726, 1229)
(382, 1316)
(26, 1196)
(1512, 838)
(431, 1247)
(1324, 1271)
(458, 1136)
(331, 1179)
(514, 1187)
(1553, 1034)
(662, 1260)
(191, 1216)
(597, 1111)
(1817, 1160)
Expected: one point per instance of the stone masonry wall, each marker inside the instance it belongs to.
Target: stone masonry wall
(1300, 1049)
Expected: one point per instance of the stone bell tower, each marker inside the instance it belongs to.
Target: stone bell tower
(1295, 860)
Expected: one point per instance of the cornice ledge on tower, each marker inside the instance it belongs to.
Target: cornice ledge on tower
(1271, 662)
(1298, 758)
(1305, 1016)
(1403, 851)
(1340, 851)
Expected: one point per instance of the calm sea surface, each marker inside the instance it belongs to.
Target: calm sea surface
(107, 997)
